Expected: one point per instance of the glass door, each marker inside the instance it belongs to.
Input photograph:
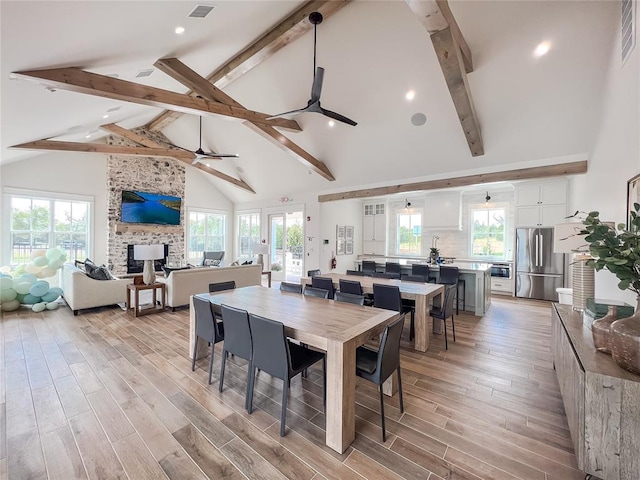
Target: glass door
(286, 246)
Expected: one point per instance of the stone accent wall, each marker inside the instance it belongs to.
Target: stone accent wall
(147, 174)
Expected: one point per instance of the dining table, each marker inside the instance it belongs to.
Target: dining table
(336, 328)
(420, 293)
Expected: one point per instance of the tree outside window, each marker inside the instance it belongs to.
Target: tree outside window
(488, 227)
(206, 233)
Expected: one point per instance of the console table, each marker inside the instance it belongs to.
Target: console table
(154, 287)
(601, 400)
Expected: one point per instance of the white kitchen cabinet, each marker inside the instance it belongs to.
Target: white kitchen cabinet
(502, 285)
(374, 229)
(541, 204)
(442, 211)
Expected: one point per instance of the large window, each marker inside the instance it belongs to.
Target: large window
(409, 232)
(248, 234)
(488, 226)
(42, 223)
(206, 233)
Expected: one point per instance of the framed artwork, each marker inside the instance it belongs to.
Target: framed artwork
(348, 247)
(340, 232)
(633, 196)
(349, 232)
(340, 247)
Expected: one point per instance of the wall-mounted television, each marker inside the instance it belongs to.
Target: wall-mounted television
(145, 207)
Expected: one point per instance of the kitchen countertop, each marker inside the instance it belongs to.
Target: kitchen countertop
(462, 266)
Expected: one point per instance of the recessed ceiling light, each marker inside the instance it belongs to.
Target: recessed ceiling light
(208, 165)
(418, 119)
(410, 95)
(106, 115)
(331, 123)
(144, 73)
(542, 49)
(88, 135)
(179, 30)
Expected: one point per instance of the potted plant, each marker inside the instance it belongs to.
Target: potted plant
(618, 250)
(434, 254)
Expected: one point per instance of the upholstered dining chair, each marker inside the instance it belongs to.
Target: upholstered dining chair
(323, 283)
(206, 328)
(237, 342)
(280, 358)
(389, 298)
(290, 287)
(316, 292)
(358, 273)
(377, 366)
(368, 267)
(350, 286)
(313, 273)
(445, 311)
(450, 276)
(392, 269)
(349, 298)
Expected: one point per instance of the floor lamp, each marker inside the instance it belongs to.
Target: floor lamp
(148, 253)
(567, 239)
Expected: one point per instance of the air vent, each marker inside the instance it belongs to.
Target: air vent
(144, 73)
(200, 11)
(628, 24)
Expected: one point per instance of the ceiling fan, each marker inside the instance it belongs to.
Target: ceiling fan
(201, 154)
(313, 105)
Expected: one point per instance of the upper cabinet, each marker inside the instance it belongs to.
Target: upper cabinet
(442, 211)
(542, 204)
(374, 228)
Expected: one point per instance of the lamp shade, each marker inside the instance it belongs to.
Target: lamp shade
(261, 248)
(567, 238)
(148, 252)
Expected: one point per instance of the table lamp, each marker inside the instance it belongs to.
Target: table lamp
(261, 249)
(148, 253)
(567, 239)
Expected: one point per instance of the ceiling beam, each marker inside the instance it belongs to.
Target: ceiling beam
(146, 151)
(133, 136)
(77, 80)
(571, 168)
(185, 75)
(281, 35)
(455, 61)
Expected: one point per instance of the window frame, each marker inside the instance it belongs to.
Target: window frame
(10, 193)
(408, 212)
(238, 242)
(189, 236)
(492, 206)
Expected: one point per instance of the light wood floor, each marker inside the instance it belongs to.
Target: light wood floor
(104, 395)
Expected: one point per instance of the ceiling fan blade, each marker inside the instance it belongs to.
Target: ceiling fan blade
(220, 155)
(316, 88)
(289, 115)
(337, 116)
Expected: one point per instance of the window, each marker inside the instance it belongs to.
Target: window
(42, 223)
(488, 225)
(248, 233)
(206, 233)
(409, 232)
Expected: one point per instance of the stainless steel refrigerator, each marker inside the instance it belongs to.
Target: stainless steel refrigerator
(539, 271)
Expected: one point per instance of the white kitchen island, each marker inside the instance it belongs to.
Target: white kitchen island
(477, 277)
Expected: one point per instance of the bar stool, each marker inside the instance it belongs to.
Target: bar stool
(451, 276)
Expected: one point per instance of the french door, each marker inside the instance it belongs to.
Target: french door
(286, 245)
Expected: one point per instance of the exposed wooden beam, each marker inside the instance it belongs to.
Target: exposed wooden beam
(450, 49)
(571, 168)
(281, 35)
(182, 156)
(77, 80)
(133, 136)
(185, 75)
(106, 149)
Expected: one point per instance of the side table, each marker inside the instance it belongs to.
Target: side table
(154, 287)
(268, 274)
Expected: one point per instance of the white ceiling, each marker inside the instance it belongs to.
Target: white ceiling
(530, 110)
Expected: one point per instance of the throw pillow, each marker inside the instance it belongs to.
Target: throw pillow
(80, 265)
(168, 270)
(100, 273)
(89, 266)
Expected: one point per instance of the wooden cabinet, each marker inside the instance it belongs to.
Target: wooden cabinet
(541, 205)
(374, 229)
(601, 400)
(502, 285)
(442, 211)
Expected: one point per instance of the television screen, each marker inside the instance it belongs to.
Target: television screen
(144, 207)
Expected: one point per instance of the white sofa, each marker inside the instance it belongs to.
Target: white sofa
(81, 291)
(181, 284)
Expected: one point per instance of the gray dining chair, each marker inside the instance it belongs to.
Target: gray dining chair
(349, 298)
(280, 358)
(290, 287)
(206, 328)
(324, 283)
(445, 311)
(315, 292)
(237, 342)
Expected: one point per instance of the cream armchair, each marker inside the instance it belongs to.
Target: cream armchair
(81, 291)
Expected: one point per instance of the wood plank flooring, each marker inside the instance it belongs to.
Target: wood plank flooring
(106, 396)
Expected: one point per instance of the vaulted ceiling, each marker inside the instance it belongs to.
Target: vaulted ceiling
(529, 110)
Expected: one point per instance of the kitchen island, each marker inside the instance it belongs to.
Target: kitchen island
(477, 277)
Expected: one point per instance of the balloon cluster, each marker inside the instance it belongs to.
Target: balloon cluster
(25, 285)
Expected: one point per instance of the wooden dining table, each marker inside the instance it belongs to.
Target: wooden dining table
(421, 293)
(336, 328)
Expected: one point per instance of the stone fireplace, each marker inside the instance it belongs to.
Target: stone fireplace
(147, 174)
